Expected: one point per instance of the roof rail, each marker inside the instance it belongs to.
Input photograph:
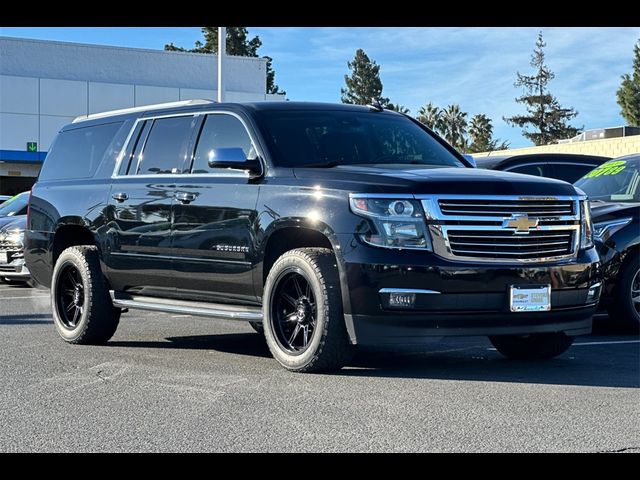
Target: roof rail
(143, 108)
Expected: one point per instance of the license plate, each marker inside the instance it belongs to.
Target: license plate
(531, 298)
(4, 258)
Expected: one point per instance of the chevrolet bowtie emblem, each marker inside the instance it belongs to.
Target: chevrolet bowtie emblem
(521, 223)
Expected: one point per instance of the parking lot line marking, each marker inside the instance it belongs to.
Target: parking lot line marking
(19, 298)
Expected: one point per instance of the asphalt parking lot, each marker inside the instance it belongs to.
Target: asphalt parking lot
(177, 383)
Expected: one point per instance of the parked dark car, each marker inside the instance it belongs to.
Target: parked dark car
(12, 264)
(14, 206)
(614, 192)
(562, 166)
(324, 226)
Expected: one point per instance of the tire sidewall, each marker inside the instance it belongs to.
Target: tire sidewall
(623, 303)
(69, 258)
(281, 268)
(633, 268)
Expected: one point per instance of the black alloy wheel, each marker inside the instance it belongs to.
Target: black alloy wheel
(294, 311)
(635, 294)
(70, 296)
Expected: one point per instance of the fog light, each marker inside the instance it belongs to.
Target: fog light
(594, 293)
(402, 300)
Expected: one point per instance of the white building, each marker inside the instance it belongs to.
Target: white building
(45, 85)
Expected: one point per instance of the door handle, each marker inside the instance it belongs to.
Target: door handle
(120, 197)
(185, 197)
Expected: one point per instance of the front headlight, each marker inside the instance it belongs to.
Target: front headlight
(602, 231)
(16, 237)
(586, 227)
(397, 222)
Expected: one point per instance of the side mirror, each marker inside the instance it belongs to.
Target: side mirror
(232, 158)
(471, 160)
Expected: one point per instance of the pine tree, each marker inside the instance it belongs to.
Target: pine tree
(544, 113)
(430, 115)
(238, 43)
(629, 92)
(364, 83)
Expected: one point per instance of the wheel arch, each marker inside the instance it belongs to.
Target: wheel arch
(69, 234)
(289, 234)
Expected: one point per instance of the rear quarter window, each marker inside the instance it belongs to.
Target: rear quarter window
(79, 152)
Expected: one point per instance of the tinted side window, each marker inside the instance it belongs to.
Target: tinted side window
(165, 148)
(130, 159)
(220, 131)
(571, 173)
(77, 153)
(539, 170)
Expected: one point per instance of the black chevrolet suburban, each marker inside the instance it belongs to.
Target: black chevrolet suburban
(324, 226)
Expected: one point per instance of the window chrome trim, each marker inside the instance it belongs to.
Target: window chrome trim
(240, 173)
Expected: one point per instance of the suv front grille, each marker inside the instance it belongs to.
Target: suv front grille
(506, 229)
(505, 208)
(489, 243)
(9, 246)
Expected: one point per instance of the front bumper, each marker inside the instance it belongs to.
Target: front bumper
(470, 299)
(16, 269)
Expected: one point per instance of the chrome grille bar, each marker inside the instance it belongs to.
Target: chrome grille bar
(476, 228)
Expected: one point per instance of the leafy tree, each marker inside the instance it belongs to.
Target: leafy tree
(453, 126)
(398, 108)
(238, 43)
(549, 121)
(364, 83)
(629, 92)
(430, 115)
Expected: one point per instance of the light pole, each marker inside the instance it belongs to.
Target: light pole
(222, 48)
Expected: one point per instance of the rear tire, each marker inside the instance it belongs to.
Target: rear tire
(302, 312)
(82, 308)
(623, 309)
(539, 346)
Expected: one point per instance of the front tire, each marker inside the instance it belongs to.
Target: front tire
(302, 312)
(625, 307)
(539, 346)
(82, 309)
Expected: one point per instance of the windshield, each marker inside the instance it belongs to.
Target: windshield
(327, 138)
(15, 206)
(614, 181)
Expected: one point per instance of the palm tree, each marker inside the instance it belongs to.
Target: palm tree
(429, 115)
(481, 133)
(454, 126)
(397, 108)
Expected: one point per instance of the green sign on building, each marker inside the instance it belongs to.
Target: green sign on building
(32, 146)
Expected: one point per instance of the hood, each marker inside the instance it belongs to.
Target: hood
(420, 180)
(603, 211)
(18, 222)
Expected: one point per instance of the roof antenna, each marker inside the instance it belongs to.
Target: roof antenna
(375, 105)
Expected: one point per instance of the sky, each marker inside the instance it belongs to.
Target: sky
(474, 67)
